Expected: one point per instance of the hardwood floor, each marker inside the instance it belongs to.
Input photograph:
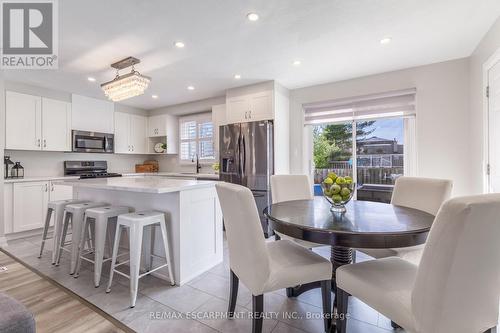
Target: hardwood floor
(55, 309)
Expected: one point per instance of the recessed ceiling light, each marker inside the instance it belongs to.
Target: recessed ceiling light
(179, 44)
(190, 88)
(385, 40)
(91, 79)
(154, 96)
(252, 17)
(296, 62)
(237, 76)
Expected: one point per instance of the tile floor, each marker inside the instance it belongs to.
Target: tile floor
(163, 308)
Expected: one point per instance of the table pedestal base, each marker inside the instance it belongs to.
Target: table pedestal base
(339, 256)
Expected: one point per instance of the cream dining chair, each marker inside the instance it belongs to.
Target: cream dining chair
(266, 266)
(455, 287)
(289, 188)
(426, 194)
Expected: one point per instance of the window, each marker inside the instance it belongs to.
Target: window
(196, 138)
(370, 139)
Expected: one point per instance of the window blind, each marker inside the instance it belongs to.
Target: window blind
(196, 137)
(391, 104)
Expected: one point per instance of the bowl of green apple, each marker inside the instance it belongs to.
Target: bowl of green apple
(338, 191)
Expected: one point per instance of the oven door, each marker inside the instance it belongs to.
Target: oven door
(92, 142)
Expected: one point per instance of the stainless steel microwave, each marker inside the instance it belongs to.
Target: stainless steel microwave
(93, 142)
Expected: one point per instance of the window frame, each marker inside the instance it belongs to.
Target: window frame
(197, 118)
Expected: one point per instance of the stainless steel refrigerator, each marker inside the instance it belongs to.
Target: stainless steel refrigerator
(246, 158)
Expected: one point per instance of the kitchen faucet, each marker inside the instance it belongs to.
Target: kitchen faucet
(198, 165)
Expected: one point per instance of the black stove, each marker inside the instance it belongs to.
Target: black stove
(88, 169)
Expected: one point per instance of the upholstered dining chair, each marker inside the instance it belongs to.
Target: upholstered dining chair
(266, 266)
(289, 188)
(455, 286)
(426, 194)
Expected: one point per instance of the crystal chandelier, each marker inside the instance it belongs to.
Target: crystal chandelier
(128, 85)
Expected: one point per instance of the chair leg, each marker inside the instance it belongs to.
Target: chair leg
(81, 246)
(233, 293)
(258, 313)
(166, 245)
(77, 225)
(63, 237)
(45, 230)
(135, 242)
(341, 321)
(326, 296)
(100, 231)
(58, 225)
(116, 245)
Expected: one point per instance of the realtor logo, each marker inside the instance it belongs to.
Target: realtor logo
(29, 34)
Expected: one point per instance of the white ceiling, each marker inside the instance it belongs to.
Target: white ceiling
(334, 39)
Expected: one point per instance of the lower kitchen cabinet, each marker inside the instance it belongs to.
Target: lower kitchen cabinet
(26, 203)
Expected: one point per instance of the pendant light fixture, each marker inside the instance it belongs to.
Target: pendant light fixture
(127, 85)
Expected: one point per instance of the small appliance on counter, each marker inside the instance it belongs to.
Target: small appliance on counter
(88, 169)
(148, 166)
(17, 170)
(8, 164)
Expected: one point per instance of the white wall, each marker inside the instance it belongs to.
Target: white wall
(485, 49)
(443, 135)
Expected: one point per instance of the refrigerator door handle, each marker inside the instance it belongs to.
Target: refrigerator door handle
(243, 166)
(239, 156)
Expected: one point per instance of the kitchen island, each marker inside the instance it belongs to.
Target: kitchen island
(192, 212)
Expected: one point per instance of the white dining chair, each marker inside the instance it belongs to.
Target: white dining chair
(455, 287)
(289, 188)
(425, 194)
(266, 266)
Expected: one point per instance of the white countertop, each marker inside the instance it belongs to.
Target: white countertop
(142, 184)
(210, 176)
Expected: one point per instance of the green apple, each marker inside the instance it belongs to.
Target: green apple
(328, 181)
(345, 192)
(340, 180)
(337, 198)
(335, 189)
(348, 178)
(332, 175)
(348, 181)
(328, 193)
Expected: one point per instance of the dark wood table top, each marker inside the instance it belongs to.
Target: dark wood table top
(365, 224)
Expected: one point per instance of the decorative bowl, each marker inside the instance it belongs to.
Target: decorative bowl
(338, 191)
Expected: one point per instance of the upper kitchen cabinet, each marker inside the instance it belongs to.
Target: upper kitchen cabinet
(37, 123)
(92, 115)
(251, 103)
(264, 101)
(130, 133)
(163, 129)
(219, 116)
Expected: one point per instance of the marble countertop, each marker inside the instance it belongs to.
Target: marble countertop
(205, 176)
(142, 184)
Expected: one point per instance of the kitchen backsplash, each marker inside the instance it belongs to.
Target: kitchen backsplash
(41, 164)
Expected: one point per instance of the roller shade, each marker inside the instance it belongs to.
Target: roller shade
(391, 104)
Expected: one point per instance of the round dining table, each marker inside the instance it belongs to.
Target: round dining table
(365, 224)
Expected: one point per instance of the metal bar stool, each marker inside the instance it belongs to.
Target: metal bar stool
(100, 218)
(75, 215)
(136, 222)
(56, 207)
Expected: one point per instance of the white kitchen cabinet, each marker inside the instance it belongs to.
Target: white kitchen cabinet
(30, 205)
(92, 115)
(8, 205)
(56, 125)
(23, 121)
(36, 123)
(130, 133)
(138, 134)
(164, 128)
(250, 107)
(219, 117)
(60, 192)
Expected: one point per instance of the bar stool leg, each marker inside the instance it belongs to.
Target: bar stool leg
(58, 225)
(81, 247)
(148, 246)
(99, 243)
(45, 230)
(67, 218)
(163, 228)
(135, 260)
(78, 228)
(116, 245)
